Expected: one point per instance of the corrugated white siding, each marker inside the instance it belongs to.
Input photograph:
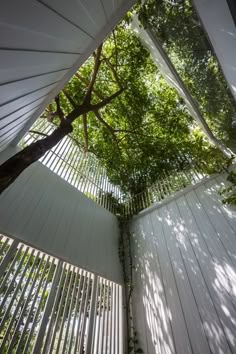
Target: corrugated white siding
(46, 212)
(42, 44)
(185, 277)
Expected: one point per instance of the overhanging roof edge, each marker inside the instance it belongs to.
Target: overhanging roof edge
(99, 38)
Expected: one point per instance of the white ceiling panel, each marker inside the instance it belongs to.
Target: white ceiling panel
(42, 44)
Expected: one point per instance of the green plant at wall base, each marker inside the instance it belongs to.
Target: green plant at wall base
(229, 193)
(126, 259)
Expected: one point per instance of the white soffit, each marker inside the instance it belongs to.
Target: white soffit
(162, 64)
(42, 44)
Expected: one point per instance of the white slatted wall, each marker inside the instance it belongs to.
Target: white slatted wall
(185, 277)
(49, 306)
(43, 210)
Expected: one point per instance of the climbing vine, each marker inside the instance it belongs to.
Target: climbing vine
(125, 255)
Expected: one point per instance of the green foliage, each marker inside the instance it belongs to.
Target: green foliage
(179, 30)
(229, 193)
(147, 129)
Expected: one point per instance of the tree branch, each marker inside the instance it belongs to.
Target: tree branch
(36, 132)
(86, 82)
(97, 63)
(106, 100)
(114, 72)
(97, 114)
(59, 112)
(69, 98)
(109, 128)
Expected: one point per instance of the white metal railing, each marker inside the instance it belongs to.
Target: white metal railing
(166, 186)
(50, 306)
(85, 173)
(81, 170)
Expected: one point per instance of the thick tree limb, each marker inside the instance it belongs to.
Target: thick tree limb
(14, 166)
(59, 112)
(78, 111)
(69, 98)
(97, 63)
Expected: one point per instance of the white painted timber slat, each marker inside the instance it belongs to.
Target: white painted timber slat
(12, 91)
(197, 264)
(228, 211)
(50, 306)
(180, 331)
(194, 324)
(86, 15)
(18, 65)
(9, 108)
(44, 42)
(154, 319)
(218, 221)
(184, 278)
(44, 211)
(222, 262)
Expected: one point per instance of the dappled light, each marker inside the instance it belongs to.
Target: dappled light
(186, 274)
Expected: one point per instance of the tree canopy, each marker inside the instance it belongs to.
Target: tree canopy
(147, 130)
(119, 107)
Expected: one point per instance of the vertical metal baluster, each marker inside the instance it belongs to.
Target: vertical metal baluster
(17, 271)
(10, 305)
(101, 332)
(34, 322)
(77, 308)
(4, 245)
(107, 318)
(113, 320)
(66, 342)
(92, 317)
(71, 278)
(116, 351)
(47, 340)
(23, 333)
(120, 324)
(102, 336)
(97, 329)
(82, 339)
(13, 337)
(59, 308)
(7, 258)
(78, 334)
(48, 307)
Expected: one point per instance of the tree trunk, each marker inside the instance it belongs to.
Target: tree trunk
(14, 166)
